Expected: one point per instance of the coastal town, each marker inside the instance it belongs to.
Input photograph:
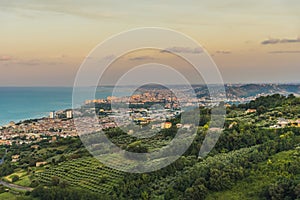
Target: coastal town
(31, 131)
(155, 107)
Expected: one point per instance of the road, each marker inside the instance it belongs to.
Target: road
(10, 185)
(17, 187)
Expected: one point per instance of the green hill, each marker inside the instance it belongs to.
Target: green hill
(264, 181)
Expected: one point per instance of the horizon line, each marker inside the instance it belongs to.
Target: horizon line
(108, 85)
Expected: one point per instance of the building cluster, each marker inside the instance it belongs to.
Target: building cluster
(154, 107)
(282, 123)
(175, 98)
(158, 107)
(62, 114)
(31, 131)
(171, 99)
(124, 118)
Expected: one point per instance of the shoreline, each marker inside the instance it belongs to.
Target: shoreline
(27, 119)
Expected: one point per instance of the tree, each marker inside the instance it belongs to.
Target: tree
(137, 147)
(62, 159)
(63, 184)
(6, 169)
(15, 178)
(55, 181)
(281, 189)
(196, 192)
(261, 110)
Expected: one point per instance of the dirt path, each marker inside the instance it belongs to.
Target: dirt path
(13, 186)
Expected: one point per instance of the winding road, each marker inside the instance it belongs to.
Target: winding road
(13, 186)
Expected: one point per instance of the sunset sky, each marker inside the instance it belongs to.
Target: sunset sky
(43, 43)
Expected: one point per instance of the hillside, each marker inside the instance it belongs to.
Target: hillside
(254, 158)
(278, 176)
(252, 90)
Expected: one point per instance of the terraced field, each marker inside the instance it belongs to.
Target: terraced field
(85, 173)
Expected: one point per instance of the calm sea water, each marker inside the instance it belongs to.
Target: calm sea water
(19, 103)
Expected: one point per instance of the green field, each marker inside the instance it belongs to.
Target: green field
(86, 173)
(7, 196)
(24, 181)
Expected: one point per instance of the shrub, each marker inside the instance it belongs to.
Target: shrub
(15, 178)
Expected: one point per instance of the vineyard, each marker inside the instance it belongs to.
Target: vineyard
(85, 173)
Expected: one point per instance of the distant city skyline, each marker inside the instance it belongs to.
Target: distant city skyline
(43, 43)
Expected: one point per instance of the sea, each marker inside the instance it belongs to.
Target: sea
(21, 103)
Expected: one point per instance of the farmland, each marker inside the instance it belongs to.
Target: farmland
(87, 173)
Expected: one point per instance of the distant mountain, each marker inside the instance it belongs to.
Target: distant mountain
(252, 90)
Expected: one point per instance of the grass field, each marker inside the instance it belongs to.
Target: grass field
(24, 181)
(7, 196)
(23, 178)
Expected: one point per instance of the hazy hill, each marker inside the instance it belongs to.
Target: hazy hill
(252, 90)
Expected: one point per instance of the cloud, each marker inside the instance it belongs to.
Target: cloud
(35, 62)
(278, 52)
(92, 10)
(183, 50)
(32, 62)
(139, 58)
(27, 62)
(5, 58)
(223, 52)
(270, 41)
(278, 41)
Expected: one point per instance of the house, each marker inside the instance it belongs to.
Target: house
(35, 146)
(69, 114)
(294, 123)
(297, 122)
(232, 125)
(250, 111)
(275, 126)
(179, 125)
(38, 164)
(54, 138)
(130, 132)
(227, 105)
(12, 124)
(282, 122)
(166, 125)
(156, 126)
(187, 126)
(15, 158)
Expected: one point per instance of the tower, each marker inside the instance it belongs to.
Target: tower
(52, 115)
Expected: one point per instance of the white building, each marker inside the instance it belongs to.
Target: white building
(69, 114)
(52, 115)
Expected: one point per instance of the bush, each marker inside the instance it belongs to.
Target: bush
(34, 183)
(15, 178)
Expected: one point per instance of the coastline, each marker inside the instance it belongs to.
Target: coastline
(23, 103)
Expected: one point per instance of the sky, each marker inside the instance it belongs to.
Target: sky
(43, 43)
